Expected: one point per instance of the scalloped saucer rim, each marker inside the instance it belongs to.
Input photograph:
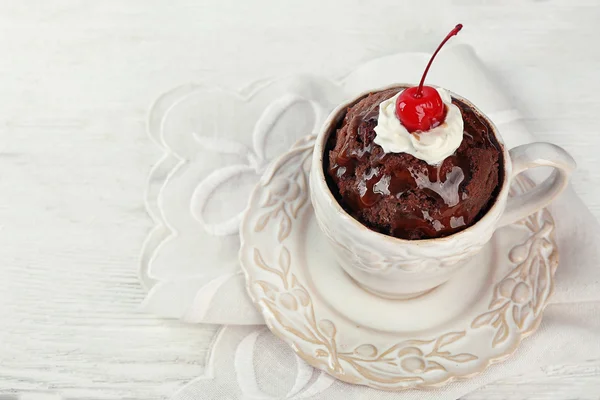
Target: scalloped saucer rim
(328, 320)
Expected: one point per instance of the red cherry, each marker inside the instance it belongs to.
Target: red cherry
(420, 113)
(421, 108)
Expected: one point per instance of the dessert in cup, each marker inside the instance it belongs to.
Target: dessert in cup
(408, 182)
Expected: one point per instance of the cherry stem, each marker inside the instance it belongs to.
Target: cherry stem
(453, 32)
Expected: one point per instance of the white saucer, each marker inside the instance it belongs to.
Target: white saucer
(455, 331)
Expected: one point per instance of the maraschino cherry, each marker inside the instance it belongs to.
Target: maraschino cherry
(421, 108)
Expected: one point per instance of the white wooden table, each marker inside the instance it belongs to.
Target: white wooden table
(76, 81)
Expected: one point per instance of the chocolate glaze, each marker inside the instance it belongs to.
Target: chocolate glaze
(402, 196)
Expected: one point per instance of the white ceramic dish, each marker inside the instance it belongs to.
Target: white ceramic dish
(398, 268)
(478, 317)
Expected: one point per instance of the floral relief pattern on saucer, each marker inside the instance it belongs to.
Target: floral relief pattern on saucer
(456, 331)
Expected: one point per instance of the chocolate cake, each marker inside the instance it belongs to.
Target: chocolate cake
(403, 196)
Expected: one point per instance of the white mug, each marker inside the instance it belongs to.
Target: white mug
(397, 268)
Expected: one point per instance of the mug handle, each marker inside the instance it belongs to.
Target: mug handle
(534, 155)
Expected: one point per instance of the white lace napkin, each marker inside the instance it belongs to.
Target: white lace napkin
(216, 145)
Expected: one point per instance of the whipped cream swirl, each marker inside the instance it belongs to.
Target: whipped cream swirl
(432, 146)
